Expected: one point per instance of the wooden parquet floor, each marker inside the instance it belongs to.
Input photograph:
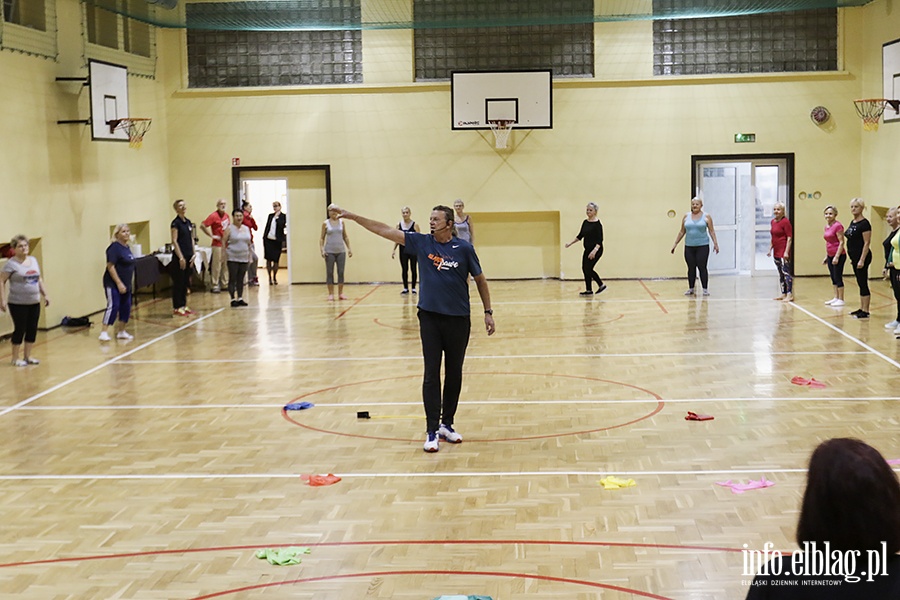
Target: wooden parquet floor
(156, 468)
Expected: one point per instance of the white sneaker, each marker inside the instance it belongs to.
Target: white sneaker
(447, 433)
(897, 331)
(706, 292)
(124, 335)
(830, 302)
(837, 302)
(431, 442)
(892, 325)
(689, 293)
(104, 337)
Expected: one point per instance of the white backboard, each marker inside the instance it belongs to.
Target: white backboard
(890, 69)
(109, 99)
(521, 96)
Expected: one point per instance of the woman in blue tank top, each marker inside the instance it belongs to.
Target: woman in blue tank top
(697, 229)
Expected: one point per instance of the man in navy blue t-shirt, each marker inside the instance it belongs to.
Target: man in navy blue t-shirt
(445, 263)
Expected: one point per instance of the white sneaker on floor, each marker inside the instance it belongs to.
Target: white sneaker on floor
(431, 442)
(689, 292)
(124, 335)
(104, 337)
(447, 433)
(19, 363)
(829, 302)
(892, 325)
(837, 302)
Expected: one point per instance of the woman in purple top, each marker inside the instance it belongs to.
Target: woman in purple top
(117, 282)
(835, 254)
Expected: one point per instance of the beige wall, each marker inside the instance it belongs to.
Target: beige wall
(623, 140)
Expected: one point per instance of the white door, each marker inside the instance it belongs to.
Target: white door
(739, 196)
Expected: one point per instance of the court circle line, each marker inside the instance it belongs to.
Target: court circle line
(660, 404)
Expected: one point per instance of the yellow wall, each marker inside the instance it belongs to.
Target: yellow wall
(623, 140)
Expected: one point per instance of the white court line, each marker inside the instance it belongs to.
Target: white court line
(429, 475)
(58, 386)
(418, 403)
(847, 335)
(417, 357)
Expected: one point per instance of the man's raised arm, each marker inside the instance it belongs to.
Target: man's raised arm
(377, 227)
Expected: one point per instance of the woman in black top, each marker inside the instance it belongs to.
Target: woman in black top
(859, 236)
(592, 235)
(891, 270)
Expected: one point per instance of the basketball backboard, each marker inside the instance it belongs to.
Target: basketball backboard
(524, 97)
(109, 99)
(890, 69)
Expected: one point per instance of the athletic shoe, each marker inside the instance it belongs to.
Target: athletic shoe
(104, 336)
(586, 293)
(892, 325)
(689, 292)
(414, 291)
(405, 291)
(830, 302)
(32, 361)
(216, 289)
(706, 292)
(837, 302)
(856, 312)
(124, 335)
(861, 315)
(234, 304)
(602, 287)
(446, 433)
(241, 302)
(897, 331)
(431, 442)
(19, 363)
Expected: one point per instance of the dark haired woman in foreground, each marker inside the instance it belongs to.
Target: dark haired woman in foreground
(852, 504)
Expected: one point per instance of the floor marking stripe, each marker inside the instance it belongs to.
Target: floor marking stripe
(847, 335)
(90, 371)
(418, 357)
(418, 403)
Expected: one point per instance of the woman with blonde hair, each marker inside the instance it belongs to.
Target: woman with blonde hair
(26, 288)
(592, 235)
(697, 229)
(835, 254)
(118, 279)
(408, 262)
(782, 235)
(859, 238)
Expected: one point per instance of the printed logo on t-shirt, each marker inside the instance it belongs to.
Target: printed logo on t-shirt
(31, 277)
(443, 264)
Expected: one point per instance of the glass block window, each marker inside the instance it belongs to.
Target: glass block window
(252, 58)
(762, 43)
(567, 48)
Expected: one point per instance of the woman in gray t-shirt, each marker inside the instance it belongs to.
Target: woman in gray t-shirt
(236, 239)
(23, 276)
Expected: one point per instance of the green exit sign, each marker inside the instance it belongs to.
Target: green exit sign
(744, 138)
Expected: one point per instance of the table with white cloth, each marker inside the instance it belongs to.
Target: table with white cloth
(200, 261)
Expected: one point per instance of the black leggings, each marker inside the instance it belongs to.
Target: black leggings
(443, 336)
(25, 322)
(180, 279)
(862, 275)
(408, 263)
(895, 285)
(236, 272)
(696, 258)
(836, 270)
(587, 268)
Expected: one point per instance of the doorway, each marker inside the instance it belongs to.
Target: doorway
(739, 192)
(305, 193)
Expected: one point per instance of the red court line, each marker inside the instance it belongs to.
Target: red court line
(654, 296)
(357, 301)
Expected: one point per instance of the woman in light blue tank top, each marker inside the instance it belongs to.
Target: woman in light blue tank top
(697, 229)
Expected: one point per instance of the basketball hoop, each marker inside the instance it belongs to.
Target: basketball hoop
(501, 129)
(870, 111)
(135, 127)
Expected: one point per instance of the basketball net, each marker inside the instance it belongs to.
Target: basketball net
(870, 112)
(501, 131)
(135, 127)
